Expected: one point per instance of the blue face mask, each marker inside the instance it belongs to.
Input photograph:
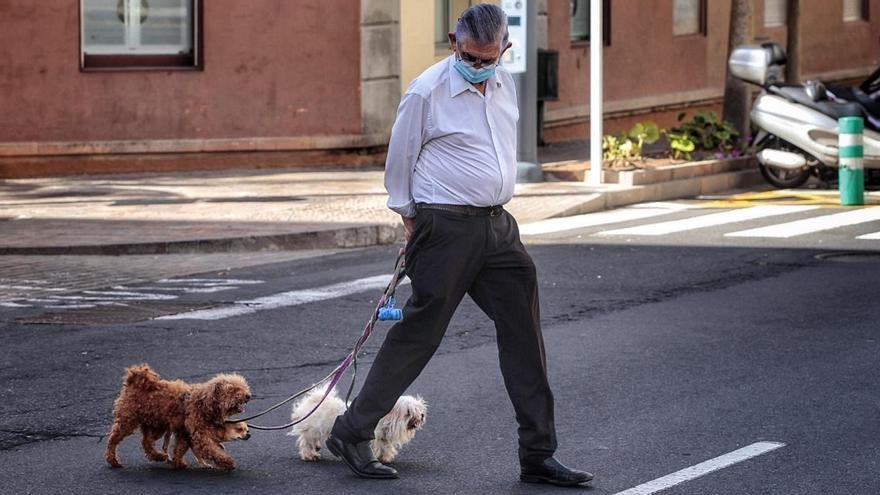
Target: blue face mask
(472, 75)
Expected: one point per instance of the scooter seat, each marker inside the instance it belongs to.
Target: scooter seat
(832, 109)
(871, 107)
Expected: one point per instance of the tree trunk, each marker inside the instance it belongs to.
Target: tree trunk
(737, 95)
(793, 48)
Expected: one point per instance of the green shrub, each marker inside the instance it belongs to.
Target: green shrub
(681, 145)
(706, 132)
(627, 147)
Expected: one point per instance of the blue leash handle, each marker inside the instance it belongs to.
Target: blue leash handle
(389, 312)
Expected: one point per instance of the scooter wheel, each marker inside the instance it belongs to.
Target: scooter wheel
(785, 179)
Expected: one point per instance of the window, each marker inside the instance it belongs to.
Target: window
(688, 17)
(580, 20)
(441, 22)
(139, 34)
(855, 10)
(775, 13)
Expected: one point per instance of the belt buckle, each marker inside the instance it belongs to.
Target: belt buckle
(495, 211)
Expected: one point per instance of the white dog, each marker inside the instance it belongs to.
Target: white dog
(393, 431)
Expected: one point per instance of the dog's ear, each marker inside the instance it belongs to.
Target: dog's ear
(219, 396)
(415, 419)
(224, 396)
(141, 376)
(413, 422)
(205, 402)
(416, 413)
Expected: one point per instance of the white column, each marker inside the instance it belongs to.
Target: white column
(596, 38)
(134, 26)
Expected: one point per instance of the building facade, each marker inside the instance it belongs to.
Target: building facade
(662, 57)
(123, 85)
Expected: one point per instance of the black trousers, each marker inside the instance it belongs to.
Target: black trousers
(449, 255)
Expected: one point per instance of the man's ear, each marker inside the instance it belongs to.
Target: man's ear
(509, 44)
(451, 36)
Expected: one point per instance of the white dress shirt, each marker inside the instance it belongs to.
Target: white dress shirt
(451, 144)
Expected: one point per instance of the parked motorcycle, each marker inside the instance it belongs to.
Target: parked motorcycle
(797, 134)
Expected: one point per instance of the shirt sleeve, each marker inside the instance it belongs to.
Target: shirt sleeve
(403, 152)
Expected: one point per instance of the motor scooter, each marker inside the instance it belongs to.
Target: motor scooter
(797, 133)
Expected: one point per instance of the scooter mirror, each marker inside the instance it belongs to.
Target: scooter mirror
(775, 53)
(815, 90)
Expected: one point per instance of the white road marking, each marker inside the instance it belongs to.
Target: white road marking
(92, 298)
(209, 282)
(10, 304)
(30, 287)
(122, 295)
(875, 235)
(591, 220)
(811, 225)
(98, 297)
(666, 205)
(703, 468)
(186, 290)
(25, 281)
(285, 299)
(711, 220)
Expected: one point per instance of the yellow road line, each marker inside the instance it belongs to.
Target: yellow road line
(823, 199)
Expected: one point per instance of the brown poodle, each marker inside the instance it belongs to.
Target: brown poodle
(194, 413)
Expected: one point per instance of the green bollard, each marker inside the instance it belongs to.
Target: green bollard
(852, 163)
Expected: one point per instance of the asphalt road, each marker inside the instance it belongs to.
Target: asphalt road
(663, 353)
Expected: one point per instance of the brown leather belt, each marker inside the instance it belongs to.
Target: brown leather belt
(471, 211)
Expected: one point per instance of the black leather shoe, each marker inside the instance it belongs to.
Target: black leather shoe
(554, 472)
(360, 459)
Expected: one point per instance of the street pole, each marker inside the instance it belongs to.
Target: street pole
(851, 171)
(522, 62)
(596, 113)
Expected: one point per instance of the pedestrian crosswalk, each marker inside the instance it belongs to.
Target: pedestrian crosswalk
(659, 219)
(811, 225)
(710, 220)
(593, 220)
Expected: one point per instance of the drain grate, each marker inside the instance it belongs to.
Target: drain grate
(851, 257)
(110, 315)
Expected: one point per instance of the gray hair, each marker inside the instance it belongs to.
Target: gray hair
(482, 24)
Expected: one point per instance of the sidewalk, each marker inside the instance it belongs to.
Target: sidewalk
(228, 211)
(249, 210)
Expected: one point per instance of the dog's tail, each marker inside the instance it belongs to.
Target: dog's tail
(140, 376)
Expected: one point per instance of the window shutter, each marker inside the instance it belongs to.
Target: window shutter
(775, 13)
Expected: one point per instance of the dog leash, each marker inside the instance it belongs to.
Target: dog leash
(384, 311)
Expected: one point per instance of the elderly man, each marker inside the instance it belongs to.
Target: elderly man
(451, 165)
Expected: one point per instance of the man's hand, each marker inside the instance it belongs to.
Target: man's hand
(409, 224)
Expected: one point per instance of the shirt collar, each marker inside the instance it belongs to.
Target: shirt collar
(458, 84)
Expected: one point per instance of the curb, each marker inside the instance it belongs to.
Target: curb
(347, 237)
